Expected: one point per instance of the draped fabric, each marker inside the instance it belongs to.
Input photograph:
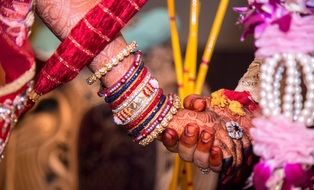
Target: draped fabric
(16, 55)
(99, 26)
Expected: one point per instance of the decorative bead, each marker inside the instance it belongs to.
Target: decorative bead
(292, 104)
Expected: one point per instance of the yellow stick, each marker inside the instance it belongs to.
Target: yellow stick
(208, 52)
(191, 50)
(189, 176)
(175, 46)
(175, 173)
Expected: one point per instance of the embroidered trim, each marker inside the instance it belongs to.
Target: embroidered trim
(65, 63)
(106, 10)
(8, 111)
(98, 32)
(51, 78)
(134, 5)
(80, 47)
(19, 82)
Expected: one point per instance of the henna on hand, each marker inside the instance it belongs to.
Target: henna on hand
(62, 15)
(188, 141)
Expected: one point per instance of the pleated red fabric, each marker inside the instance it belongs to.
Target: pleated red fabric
(90, 36)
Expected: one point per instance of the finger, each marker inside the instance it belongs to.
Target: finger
(227, 157)
(193, 102)
(188, 141)
(199, 104)
(246, 141)
(227, 142)
(215, 159)
(170, 139)
(204, 145)
(239, 153)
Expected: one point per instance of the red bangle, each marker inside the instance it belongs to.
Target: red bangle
(122, 98)
(131, 125)
(158, 119)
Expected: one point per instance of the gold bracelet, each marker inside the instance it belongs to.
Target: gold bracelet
(163, 124)
(112, 63)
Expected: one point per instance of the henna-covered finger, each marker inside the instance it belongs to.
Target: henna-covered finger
(170, 139)
(194, 102)
(246, 141)
(188, 141)
(226, 141)
(203, 148)
(199, 104)
(215, 159)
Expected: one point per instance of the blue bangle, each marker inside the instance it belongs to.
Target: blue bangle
(112, 98)
(137, 130)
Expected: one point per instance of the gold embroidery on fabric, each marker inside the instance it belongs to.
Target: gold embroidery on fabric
(134, 5)
(65, 63)
(106, 10)
(80, 47)
(92, 28)
(49, 77)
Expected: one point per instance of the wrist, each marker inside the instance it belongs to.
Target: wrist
(110, 51)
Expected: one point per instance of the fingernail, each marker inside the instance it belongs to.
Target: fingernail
(199, 104)
(205, 137)
(215, 158)
(168, 136)
(226, 163)
(171, 132)
(190, 130)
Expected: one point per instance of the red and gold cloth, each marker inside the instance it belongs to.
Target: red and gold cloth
(99, 26)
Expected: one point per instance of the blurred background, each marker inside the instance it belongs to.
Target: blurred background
(69, 140)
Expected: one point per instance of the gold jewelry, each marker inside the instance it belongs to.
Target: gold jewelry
(33, 96)
(112, 63)
(163, 124)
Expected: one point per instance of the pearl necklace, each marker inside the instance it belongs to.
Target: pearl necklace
(291, 103)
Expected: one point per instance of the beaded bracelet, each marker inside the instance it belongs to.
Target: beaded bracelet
(139, 128)
(138, 75)
(156, 122)
(112, 63)
(163, 124)
(105, 92)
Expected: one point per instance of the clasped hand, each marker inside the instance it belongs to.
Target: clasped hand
(199, 134)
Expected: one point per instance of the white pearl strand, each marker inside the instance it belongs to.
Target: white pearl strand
(292, 104)
(267, 97)
(307, 63)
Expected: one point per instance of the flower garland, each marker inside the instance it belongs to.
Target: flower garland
(283, 31)
(235, 101)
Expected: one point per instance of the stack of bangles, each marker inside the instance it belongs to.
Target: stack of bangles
(136, 100)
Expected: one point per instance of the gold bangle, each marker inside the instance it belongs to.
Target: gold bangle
(163, 124)
(112, 63)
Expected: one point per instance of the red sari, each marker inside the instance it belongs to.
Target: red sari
(85, 41)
